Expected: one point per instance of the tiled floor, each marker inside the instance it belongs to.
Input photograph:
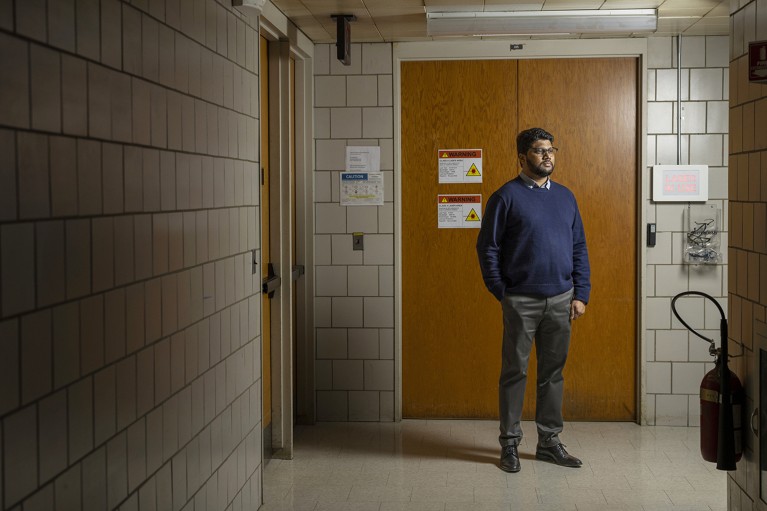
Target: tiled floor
(419, 465)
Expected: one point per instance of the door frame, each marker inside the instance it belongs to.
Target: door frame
(286, 41)
(531, 49)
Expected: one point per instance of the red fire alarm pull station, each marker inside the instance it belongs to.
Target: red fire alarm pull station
(757, 62)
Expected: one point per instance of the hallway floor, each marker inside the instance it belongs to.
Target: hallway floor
(452, 465)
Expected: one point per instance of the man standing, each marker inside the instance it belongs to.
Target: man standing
(533, 257)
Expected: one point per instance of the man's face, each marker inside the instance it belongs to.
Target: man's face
(537, 164)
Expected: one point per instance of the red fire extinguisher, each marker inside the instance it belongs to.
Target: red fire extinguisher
(710, 402)
(721, 399)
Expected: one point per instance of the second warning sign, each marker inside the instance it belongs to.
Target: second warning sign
(459, 211)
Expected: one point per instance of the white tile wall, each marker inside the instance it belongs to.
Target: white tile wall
(363, 343)
(673, 358)
(377, 122)
(379, 249)
(745, 304)
(353, 107)
(671, 345)
(693, 117)
(706, 84)
(104, 332)
(659, 118)
(363, 281)
(14, 85)
(686, 377)
(364, 406)
(670, 280)
(345, 123)
(671, 410)
(332, 405)
(362, 219)
(20, 450)
(347, 375)
(706, 150)
(329, 91)
(342, 251)
(330, 154)
(347, 312)
(331, 343)
(362, 90)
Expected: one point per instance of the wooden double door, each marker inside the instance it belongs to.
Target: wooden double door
(451, 325)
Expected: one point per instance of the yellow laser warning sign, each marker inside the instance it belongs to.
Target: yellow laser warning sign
(460, 165)
(459, 211)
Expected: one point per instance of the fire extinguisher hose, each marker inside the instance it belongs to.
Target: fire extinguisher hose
(725, 454)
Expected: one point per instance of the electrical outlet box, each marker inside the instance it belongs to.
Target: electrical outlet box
(358, 241)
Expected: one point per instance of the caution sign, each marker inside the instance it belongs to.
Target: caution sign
(459, 211)
(460, 165)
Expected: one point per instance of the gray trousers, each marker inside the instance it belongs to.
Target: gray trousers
(547, 320)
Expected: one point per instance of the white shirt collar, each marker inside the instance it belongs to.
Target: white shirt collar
(532, 184)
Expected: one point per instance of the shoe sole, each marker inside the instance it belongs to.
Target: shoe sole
(551, 459)
(510, 470)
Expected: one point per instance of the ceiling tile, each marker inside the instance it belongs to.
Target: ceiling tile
(631, 4)
(723, 9)
(710, 26)
(394, 9)
(675, 25)
(406, 26)
(682, 11)
(510, 5)
(287, 4)
(317, 33)
(566, 5)
(404, 20)
(394, 3)
(453, 5)
(333, 5)
(700, 5)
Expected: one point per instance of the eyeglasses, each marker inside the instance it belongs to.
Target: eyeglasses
(540, 151)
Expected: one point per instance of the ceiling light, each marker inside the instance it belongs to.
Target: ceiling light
(541, 22)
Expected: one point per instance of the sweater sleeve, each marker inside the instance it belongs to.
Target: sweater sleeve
(489, 243)
(581, 268)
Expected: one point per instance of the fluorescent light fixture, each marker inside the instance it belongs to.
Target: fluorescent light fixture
(541, 22)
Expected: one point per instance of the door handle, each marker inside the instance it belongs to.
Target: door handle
(755, 415)
(298, 270)
(271, 282)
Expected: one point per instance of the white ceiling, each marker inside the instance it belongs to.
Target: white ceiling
(405, 20)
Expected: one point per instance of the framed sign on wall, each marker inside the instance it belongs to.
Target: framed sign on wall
(680, 183)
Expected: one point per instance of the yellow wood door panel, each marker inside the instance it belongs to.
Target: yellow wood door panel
(452, 327)
(266, 350)
(590, 106)
(450, 323)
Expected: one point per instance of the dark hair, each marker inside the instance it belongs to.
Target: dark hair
(526, 138)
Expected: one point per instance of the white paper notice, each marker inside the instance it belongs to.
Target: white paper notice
(459, 211)
(460, 165)
(363, 158)
(362, 189)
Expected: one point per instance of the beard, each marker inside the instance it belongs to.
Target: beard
(540, 170)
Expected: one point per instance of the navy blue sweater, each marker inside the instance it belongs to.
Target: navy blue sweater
(532, 242)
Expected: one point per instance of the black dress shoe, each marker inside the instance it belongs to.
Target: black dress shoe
(510, 459)
(557, 454)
